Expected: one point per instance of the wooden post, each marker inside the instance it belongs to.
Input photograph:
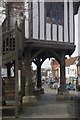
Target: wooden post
(8, 9)
(57, 32)
(31, 19)
(29, 98)
(29, 87)
(51, 31)
(38, 20)
(63, 94)
(44, 21)
(8, 72)
(23, 35)
(71, 20)
(39, 85)
(16, 70)
(8, 65)
(73, 29)
(30, 4)
(63, 24)
(62, 74)
(68, 25)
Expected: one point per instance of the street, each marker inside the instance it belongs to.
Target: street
(47, 106)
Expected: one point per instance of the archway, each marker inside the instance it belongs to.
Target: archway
(38, 57)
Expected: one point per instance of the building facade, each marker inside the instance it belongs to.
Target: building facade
(49, 33)
(71, 69)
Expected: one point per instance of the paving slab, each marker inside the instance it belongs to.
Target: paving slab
(47, 106)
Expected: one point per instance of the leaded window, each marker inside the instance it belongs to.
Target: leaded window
(54, 12)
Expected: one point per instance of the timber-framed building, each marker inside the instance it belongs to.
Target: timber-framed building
(50, 31)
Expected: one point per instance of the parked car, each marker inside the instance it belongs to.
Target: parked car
(51, 84)
(78, 87)
(56, 85)
(70, 87)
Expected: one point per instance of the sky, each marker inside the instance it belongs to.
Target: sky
(46, 64)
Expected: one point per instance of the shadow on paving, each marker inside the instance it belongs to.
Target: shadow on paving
(47, 108)
(75, 106)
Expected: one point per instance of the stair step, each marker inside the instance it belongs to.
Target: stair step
(11, 98)
(11, 82)
(7, 107)
(11, 103)
(13, 91)
(8, 110)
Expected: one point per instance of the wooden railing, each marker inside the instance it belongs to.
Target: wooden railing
(13, 40)
(8, 40)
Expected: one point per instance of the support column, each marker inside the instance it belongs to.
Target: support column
(62, 74)
(63, 94)
(29, 86)
(39, 84)
(39, 89)
(8, 70)
(29, 98)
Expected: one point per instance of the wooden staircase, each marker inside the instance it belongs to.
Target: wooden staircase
(9, 108)
(12, 48)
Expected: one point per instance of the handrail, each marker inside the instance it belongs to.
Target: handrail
(10, 39)
(6, 32)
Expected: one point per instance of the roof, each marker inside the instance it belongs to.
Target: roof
(71, 61)
(78, 63)
(54, 64)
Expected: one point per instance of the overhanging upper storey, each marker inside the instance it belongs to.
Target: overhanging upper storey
(51, 21)
(54, 12)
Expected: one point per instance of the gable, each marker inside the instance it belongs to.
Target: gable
(71, 61)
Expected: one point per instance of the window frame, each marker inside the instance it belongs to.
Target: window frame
(49, 19)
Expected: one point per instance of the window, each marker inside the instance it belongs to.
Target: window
(68, 70)
(54, 12)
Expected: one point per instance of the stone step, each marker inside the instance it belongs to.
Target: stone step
(10, 92)
(9, 89)
(10, 83)
(8, 110)
(10, 103)
(11, 98)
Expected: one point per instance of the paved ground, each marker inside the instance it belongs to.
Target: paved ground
(74, 104)
(47, 107)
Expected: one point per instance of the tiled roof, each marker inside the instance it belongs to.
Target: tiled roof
(78, 64)
(71, 61)
(55, 64)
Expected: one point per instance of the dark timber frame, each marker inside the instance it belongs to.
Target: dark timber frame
(38, 51)
(12, 54)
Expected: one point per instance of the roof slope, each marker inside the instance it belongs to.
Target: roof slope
(71, 61)
(54, 64)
